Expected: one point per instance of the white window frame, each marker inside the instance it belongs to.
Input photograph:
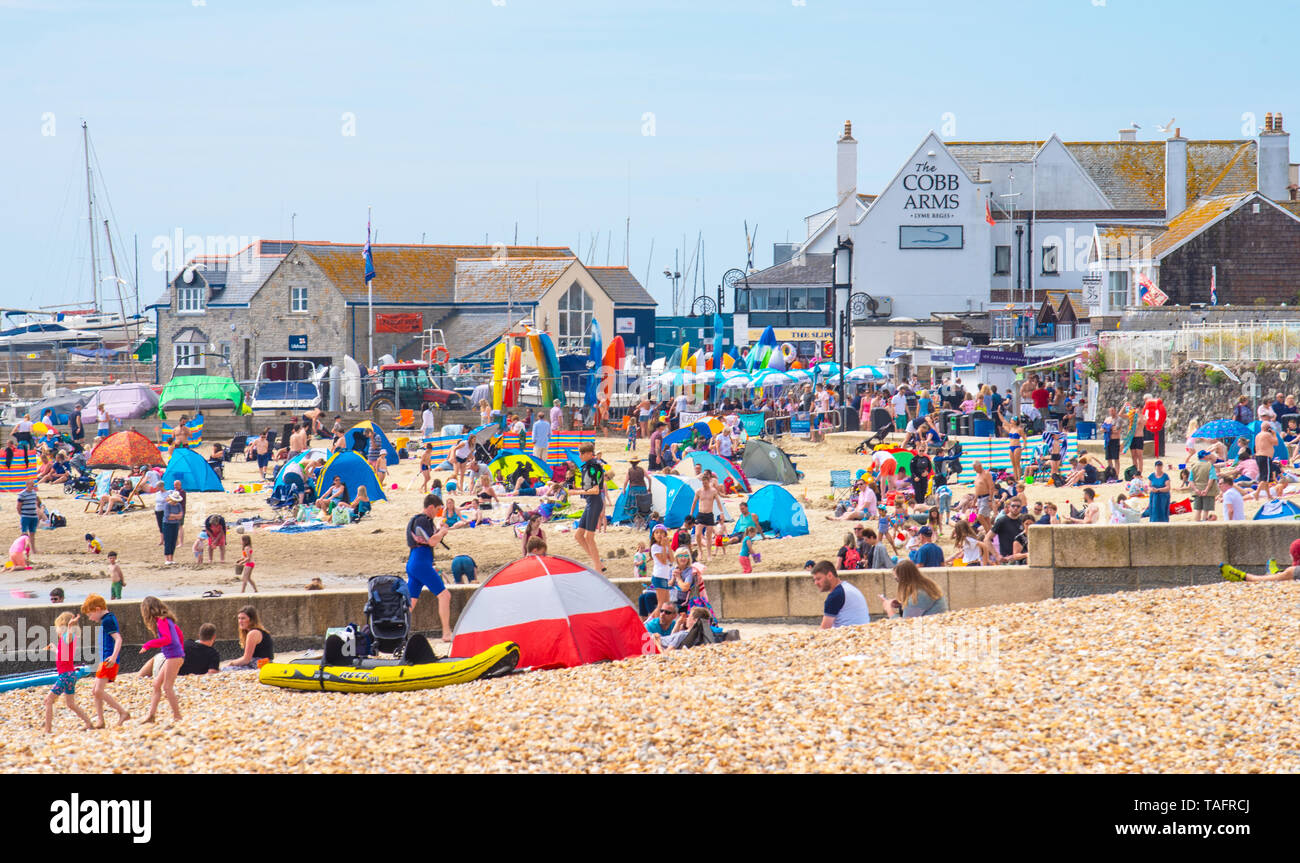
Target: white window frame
(187, 355)
(1055, 251)
(189, 300)
(574, 317)
(297, 293)
(1113, 288)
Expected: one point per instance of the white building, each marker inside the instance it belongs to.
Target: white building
(967, 226)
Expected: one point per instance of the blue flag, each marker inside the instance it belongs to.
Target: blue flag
(369, 258)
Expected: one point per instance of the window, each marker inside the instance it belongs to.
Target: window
(776, 299)
(741, 300)
(1051, 260)
(816, 299)
(189, 298)
(798, 299)
(575, 308)
(226, 351)
(1117, 289)
(1001, 260)
(1082, 328)
(298, 299)
(188, 355)
(758, 300)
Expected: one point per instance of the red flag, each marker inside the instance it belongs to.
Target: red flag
(988, 212)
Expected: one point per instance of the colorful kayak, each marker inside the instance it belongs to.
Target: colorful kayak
(26, 680)
(389, 675)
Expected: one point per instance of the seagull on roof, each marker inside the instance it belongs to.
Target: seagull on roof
(1219, 368)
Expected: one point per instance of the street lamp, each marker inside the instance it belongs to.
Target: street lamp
(842, 284)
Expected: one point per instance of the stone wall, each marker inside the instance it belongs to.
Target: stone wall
(1193, 397)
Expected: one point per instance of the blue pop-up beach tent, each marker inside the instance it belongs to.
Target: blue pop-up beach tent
(720, 466)
(673, 499)
(778, 512)
(354, 471)
(355, 439)
(1278, 509)
(192, 470)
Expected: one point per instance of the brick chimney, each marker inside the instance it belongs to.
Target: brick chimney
(1175, 174)
(1128, 134)
(846, 182)
(1274, 159)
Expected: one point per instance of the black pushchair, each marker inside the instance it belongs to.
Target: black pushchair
(388, 613)
(82, 481)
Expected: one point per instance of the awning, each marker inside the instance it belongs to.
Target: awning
(1055, 362)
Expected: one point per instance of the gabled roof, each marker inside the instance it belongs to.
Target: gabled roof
(1131, 174)
(1190, 222)
(622, 287)
(815, 270)
(409, 274)
(521, 280)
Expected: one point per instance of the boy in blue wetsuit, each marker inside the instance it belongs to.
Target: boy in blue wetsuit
(421, 536)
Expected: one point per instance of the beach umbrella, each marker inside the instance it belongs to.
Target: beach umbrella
(799, 376)
(864, 373)
(125, 450)
(676, 378)
(769, 378)
(735, 379)
(1221, 429)
(826, 370)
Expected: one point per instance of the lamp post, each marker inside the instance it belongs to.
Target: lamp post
(842, 284)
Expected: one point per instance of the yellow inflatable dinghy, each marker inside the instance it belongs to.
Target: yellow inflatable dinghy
(389, 675)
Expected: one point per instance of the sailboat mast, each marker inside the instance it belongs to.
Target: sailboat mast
(90, 209)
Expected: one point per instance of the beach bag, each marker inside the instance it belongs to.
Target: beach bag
(57, 520)
(1130, 472)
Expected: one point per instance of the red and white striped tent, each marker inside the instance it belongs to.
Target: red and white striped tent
(558, 611)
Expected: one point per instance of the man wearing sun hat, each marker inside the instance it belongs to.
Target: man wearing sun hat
(1203, 488)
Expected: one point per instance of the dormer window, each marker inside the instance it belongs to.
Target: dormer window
(189, 298)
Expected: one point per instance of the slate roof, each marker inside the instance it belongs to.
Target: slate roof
(1193, 220)
(470, 331)
(1131, 174)
(523, 280)
(816, 270)
(623, 287)
(409, 274)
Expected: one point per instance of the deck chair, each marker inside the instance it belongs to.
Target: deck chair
(102, 482)
(841, 483)
(237, 445)
(134, 500)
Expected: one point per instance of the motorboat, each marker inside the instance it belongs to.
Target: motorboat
(292, 385)
(46, 336)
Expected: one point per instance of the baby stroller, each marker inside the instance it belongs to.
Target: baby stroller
(644, 506)
(388, 613)
(869, 445)
(82, 481)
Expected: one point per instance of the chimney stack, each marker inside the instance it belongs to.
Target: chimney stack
(1274, 159)
(846, 183)
(1175, 174)
(1128, 134)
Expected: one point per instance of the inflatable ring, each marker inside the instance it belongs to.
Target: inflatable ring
(789, 353)
(439, 356)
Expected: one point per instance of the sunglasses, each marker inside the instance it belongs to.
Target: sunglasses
(667, 613)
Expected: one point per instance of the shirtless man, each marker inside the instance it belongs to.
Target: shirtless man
(1265, 444)
(1091, 510)
(705, 519)
(297, 440)
(984, 496)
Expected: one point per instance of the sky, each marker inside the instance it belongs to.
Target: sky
(460, 121)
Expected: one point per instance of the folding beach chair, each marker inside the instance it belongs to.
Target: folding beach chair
(102, 482)
(841, 483)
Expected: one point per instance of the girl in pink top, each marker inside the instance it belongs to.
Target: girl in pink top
(65, 653)
(18, 552)
(160, 620)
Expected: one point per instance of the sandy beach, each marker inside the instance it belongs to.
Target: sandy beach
(345, 557)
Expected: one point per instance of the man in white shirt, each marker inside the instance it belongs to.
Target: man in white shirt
(427, 428)
(1234, 505)
(899, 403)
(541, 438)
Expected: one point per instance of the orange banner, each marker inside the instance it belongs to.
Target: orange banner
(402, 322)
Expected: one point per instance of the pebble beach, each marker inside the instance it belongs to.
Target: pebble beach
(1197, 679)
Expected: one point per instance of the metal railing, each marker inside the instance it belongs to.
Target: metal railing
(1246, 342)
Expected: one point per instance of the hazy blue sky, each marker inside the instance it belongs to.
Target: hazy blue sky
(225, 118)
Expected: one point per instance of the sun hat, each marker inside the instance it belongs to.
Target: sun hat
(174, 497)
